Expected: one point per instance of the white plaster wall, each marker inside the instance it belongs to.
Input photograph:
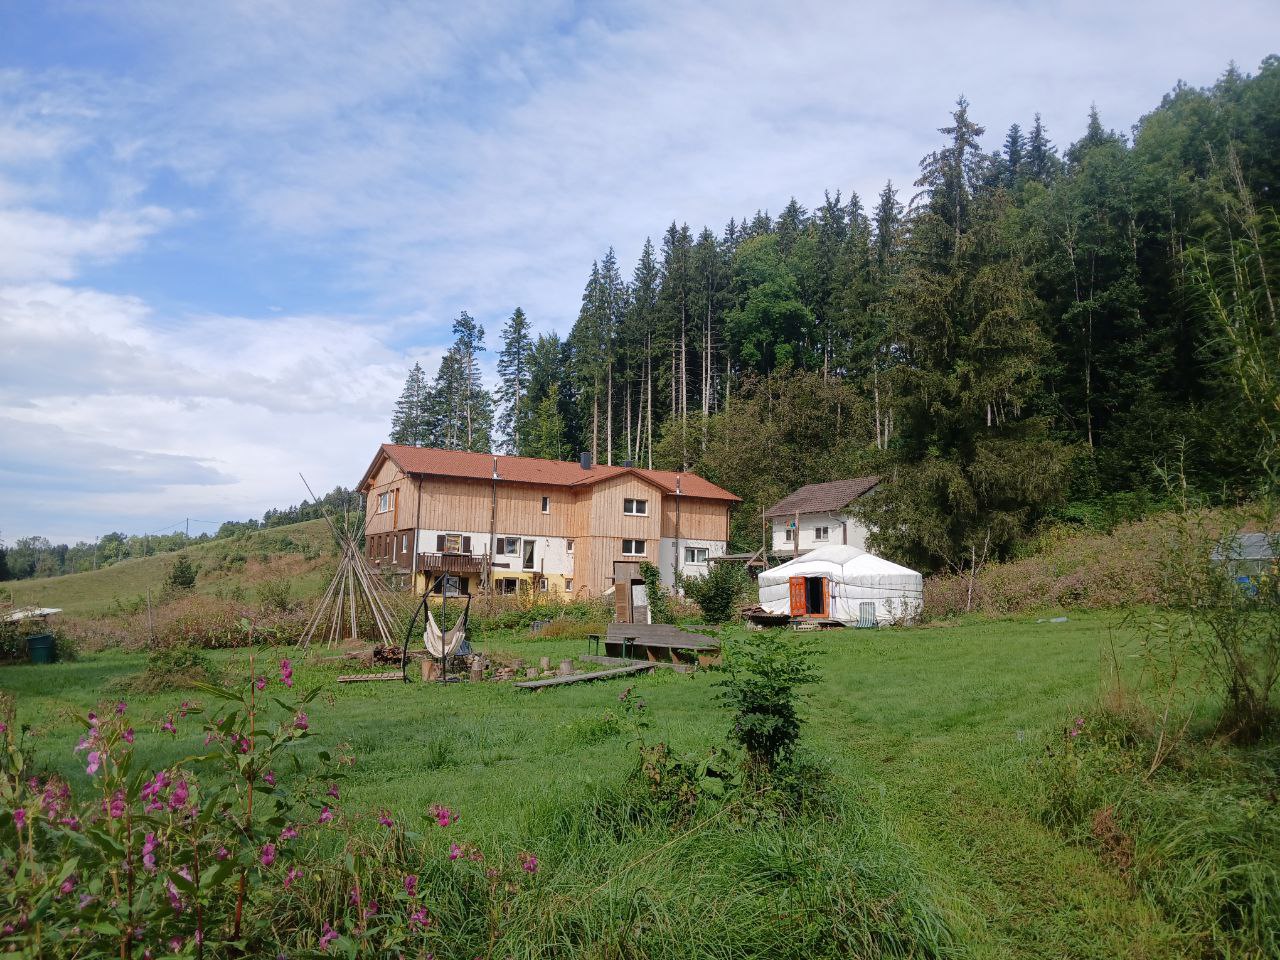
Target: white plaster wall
(666, 556)
(855, 532)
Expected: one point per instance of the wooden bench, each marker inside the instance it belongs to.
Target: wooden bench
(659, 643)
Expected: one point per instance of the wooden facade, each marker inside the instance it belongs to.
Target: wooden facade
(558, 534)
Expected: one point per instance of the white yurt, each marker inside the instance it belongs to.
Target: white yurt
(843, 583)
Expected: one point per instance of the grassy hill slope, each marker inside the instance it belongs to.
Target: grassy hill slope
(299, 552)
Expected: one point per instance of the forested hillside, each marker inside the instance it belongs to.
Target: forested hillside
(1025, 330)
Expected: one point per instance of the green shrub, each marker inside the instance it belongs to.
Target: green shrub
(762, 688)
(659, 599)
(273, 594)
(173, 668)
(720, 592)
(182, 574)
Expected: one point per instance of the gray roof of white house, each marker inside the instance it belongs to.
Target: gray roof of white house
(1248, 546)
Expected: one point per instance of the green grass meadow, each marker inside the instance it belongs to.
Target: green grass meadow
(936, 736)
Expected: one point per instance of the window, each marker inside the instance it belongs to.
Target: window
(821, 533)
(384, 502)
(509, 546)
(695, 554)
(542, 584)
(506, 584)
(528, 554)
(568, 546)
(546, 504)
(452, 543)
(633, 548)
(568, 584)
(635, 508)
(789, 534)
(404, 543)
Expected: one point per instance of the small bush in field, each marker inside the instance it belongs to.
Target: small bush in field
(182, 574)
(765, 674)
(720, 592)
(658, 598)
(274, 595)
(173, 668)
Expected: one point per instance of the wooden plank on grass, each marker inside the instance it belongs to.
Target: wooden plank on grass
(362, 677)
(580, 677)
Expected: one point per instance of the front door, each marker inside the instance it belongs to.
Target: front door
(797, 597)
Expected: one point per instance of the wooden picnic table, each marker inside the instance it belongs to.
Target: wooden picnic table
(657, 643)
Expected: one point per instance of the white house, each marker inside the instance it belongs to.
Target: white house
(815, 516)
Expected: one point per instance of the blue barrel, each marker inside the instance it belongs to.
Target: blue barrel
(42, 648)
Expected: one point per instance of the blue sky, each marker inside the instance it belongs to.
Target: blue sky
(228, 229)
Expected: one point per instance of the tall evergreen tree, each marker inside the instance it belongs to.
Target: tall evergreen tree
(409, 423)
(513, 378)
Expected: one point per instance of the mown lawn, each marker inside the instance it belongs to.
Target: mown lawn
(934, 733)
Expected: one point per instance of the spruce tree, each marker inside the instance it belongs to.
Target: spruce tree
(513, 377)
(408, 423)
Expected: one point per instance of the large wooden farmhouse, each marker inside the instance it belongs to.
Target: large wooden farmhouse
(470, 521)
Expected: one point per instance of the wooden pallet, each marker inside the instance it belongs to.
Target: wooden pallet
(362, 677)
(627, 661)
(580, 677)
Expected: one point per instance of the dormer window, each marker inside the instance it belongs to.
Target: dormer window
(635, 508)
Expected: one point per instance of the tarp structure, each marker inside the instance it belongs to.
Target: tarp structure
(832, 582)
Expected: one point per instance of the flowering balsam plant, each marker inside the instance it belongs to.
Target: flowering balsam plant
(152, 863)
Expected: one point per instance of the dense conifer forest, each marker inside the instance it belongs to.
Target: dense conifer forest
(1028, 331)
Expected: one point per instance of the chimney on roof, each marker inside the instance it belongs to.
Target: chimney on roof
(585, 460)
(628, 463)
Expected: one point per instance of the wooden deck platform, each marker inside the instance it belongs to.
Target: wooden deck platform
(581, 677)
(361, 677)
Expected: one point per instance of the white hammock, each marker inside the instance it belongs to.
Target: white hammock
(444, 643)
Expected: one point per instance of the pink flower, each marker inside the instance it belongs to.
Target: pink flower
(289, 833)
(117, 806)
(222, 853)
(20, 818)
(93, 719)
(455, 851)
(411, 884)
(268, 854)
(444, 816)
(127, 736)
(178, 799)
(149, 852)
(95, 761)
(326, 815)
(121, 707)
(418, 919)
(85, 900)
(286, 673)
(4, 728)
(300, 722)
(529, 863)
(68, 885)
(333, 791)
(270, 778)
(168, 725)
(328, 934)
(183, 708)
(293, 874)
(261, 683)
(386, 820)
(175, 944)
(151, 789)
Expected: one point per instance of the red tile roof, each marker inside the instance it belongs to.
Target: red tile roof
(479, 466)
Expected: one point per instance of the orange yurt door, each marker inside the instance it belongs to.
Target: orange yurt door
(797, 597)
